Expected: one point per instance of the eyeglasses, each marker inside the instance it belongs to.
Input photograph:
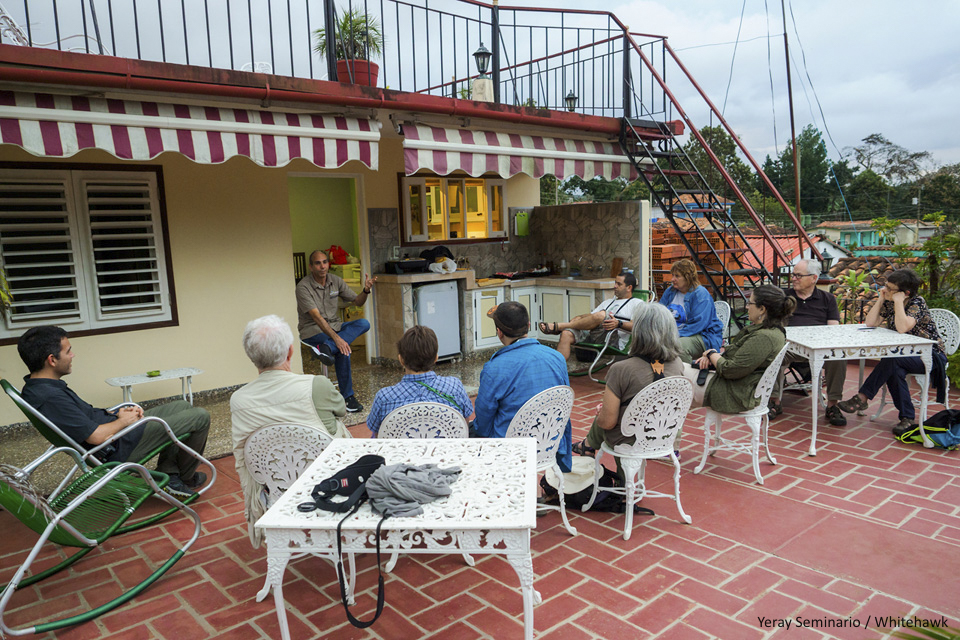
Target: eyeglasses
(752, 303)
(797, 276)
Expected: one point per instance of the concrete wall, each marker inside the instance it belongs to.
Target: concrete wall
(231, 239)
(596, 232)
(323, 212)
(230, 242)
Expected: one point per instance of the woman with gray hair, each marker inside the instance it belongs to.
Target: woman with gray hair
(654, 349)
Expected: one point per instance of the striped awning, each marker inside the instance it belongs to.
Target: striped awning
(58, 126)
(445, 150)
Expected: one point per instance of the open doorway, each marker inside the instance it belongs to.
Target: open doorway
(323, 212)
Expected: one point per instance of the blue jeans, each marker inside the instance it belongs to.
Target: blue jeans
(349, 332)
(893, 373)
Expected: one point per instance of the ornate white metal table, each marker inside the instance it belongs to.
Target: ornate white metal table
(491, 509)
(185, 374)
(857, 342)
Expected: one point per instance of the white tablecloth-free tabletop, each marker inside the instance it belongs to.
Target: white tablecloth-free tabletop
(185, 374)
(491, 509)
(856, 342)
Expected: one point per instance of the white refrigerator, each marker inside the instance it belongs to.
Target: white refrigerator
(437, 306)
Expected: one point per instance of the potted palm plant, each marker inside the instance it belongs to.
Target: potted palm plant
(356, 38)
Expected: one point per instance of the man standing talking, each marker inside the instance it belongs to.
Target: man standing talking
(318, 301)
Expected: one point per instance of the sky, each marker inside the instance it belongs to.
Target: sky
(878, 66)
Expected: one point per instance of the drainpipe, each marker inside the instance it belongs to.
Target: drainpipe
(495, 49)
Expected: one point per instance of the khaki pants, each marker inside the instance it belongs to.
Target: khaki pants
(183, 418)
(691, 348)
(835, 371)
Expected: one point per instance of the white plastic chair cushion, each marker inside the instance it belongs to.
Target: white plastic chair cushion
(655, 416)
(277, 454)
(544, 417)
(424, 420)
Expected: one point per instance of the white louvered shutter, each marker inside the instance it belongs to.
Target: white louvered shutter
(125, 245)
(39, 250)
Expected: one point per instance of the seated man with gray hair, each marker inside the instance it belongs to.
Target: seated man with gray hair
(815, 307)
(277, 395)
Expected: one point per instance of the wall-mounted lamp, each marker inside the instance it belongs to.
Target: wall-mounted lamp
(571, 101)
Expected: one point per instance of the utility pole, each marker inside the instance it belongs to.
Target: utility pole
(793, 129)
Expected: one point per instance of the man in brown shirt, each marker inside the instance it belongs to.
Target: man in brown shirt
(318, 300)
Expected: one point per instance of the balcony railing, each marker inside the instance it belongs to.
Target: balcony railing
(539, 57)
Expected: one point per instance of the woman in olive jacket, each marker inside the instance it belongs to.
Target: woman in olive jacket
(742, 363)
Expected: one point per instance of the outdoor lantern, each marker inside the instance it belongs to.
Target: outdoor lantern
(482, 56)
(827, 260)
(571, 101)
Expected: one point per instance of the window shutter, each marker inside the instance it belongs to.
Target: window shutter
(125, 244)
(38, 247)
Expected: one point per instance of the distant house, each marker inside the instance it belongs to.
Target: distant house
(859, 232)
(791, 246)
(848, 232)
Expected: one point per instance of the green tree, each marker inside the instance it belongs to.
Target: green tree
(815, 189)
(552, 191)
(600, 189)
(890, 160)
(725, 148)
(868, 193)
(841, 175)
(941, 192)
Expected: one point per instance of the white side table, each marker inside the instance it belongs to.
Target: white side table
(185, 374)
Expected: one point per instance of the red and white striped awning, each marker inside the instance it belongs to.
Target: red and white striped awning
(445, 150)
(58, 126)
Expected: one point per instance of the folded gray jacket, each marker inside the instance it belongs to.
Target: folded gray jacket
(400, 489)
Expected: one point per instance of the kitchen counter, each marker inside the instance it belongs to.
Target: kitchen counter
(470, 280)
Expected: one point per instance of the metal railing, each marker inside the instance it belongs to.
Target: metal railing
(539, 56)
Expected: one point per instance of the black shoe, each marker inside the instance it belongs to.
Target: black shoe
(197, 480)
(836, 417)
(322, 354)
(177, 488)
(774, 410)
(353, 405)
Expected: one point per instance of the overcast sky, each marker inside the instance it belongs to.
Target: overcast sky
(878, 66)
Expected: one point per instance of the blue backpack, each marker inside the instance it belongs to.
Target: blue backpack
(943, 428)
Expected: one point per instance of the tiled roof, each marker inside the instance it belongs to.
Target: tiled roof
(883, 265)
(862, 225)
(789, 244)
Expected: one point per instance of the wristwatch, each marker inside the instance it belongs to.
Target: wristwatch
(367, 291)
(619, 324)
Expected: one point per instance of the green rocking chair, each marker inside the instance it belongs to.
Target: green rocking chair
(57, 438)
(83, 512)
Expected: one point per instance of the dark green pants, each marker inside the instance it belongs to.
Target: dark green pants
(183, 418)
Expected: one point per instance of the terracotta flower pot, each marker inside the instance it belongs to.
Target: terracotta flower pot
(361, 72)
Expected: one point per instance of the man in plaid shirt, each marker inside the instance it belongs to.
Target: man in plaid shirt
(417, 352)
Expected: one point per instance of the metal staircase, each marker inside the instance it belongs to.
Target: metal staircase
(716, 244)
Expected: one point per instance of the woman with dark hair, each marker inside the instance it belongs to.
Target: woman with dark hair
(655, 353)
(693, 308)
(751, 351)
(900, 309)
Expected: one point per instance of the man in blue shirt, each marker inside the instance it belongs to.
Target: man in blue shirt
(517, 372)
(417, 352)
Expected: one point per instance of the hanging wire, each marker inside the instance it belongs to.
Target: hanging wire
(743, 9)
(773, 104)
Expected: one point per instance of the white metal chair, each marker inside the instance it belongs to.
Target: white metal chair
(424, 420)
(276, 455)
(948, 326)
(723, 313)
(545, 417)
(654, 417)
(758, 419)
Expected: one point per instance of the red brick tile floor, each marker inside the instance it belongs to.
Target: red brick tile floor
(869, 527)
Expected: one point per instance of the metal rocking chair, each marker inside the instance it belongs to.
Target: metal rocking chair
(83, 513)
(57, 438)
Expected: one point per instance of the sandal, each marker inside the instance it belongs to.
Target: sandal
(583, 449)
(775, 410)
(550, 328)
